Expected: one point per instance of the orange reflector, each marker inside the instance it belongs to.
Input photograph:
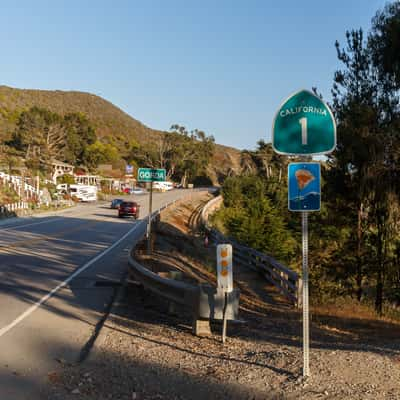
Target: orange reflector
(224, 263)
(224, 253)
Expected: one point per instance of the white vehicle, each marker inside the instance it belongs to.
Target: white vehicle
(163, 186)
(81, 192)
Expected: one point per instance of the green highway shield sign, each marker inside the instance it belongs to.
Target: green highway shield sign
(304, 125)
(151, 175)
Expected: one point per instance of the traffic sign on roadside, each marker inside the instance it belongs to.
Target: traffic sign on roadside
(224, 267)
(129, 170)
(304, 125)
(224, 278)
(304, 192)
(151, 175)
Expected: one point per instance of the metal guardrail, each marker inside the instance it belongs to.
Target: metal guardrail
(179, 292)
(206, 302)
(284, 279)
(176, 291)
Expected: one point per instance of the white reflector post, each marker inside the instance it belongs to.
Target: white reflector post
(224, 267)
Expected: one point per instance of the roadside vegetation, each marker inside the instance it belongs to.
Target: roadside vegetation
(7, 195)
(41, 136)
(355, 239)
(85, 130)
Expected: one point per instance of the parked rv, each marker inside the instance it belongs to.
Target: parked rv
(163, 186)
(81, 192)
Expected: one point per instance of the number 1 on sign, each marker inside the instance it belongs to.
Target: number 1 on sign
(303, 123)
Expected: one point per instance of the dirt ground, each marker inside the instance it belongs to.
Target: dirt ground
(143, 352)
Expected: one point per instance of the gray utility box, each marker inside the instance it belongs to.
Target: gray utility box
(210, 303)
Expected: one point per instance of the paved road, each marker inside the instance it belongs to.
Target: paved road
(57, 280)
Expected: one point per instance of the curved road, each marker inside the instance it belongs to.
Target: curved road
(58, 276)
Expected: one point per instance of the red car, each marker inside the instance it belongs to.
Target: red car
(128, 208)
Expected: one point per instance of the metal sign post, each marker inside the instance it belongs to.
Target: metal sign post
(149, 249)
(306, 322)
(150, 175)
(304, 125)
(224, 321)
(304, 195)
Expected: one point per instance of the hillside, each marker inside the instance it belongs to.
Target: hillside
(112, 124)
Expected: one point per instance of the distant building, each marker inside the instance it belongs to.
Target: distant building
(104, 169)
(59, 168)
(88, 179)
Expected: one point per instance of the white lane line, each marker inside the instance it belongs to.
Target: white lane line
(11, 227)
(35, 306)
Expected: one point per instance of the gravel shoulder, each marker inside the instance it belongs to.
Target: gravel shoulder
(143, 352)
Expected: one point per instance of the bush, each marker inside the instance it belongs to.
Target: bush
(69, 179)
(249, 216)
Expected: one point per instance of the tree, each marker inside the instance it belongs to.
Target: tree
(268, 161)
(10, 157)
(79, 134)
(251, 218)
(69, 179)
(183, 154)
(39, 135)
(353, 93)
(98, 153)
(384, 41)
(193, 153)
(364, 167)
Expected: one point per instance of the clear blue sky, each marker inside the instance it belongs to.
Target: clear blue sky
(221, 66)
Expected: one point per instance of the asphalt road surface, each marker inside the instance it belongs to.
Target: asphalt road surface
(58, 274)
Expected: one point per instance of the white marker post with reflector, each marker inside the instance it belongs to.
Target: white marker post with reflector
(224, 277)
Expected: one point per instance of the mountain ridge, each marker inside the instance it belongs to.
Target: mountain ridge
(112, 124)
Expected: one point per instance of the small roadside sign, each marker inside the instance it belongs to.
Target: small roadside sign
(224, 267)
(304, 192)
(224, 278)
(304, 125)
(129, 170)
(151, 175)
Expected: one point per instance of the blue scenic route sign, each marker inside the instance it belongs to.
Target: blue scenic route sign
(304, 125)
(129, 170)
(304, 186)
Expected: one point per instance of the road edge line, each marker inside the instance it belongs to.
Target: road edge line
(36, 305)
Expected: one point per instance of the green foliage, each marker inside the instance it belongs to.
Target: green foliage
(111, 125)
(384, 41)
(39, 135)
(42, 135)
(98, 153)
(69, 179)
(251, 218)
(79, 134)
(184, 155)
(363, 171)
(7, 195)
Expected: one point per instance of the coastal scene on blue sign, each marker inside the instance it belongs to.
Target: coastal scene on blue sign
(304, 181)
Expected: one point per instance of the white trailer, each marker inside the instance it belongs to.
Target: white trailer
(81, 192)
(163, 186)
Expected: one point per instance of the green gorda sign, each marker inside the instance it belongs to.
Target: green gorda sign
(151, 175)
(304, 124)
